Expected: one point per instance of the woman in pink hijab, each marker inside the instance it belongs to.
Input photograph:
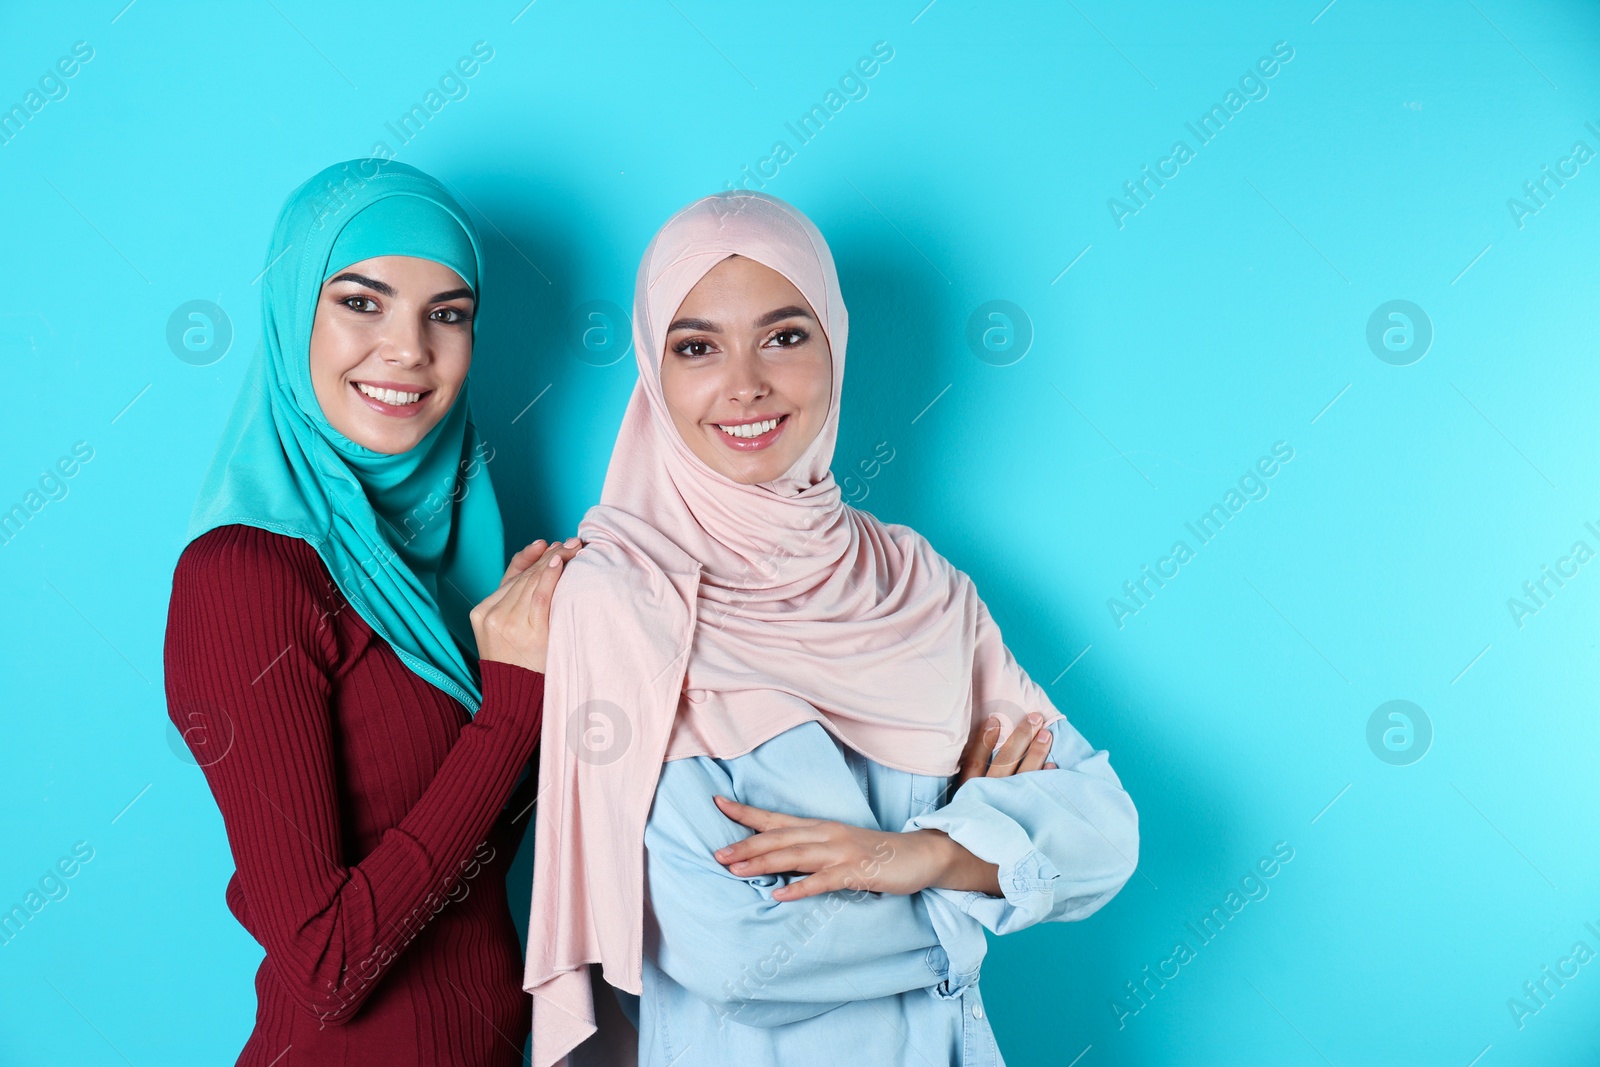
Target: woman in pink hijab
(771, 805)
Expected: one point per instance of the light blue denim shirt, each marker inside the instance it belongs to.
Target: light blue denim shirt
(732, 976)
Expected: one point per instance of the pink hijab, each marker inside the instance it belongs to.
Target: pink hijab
(705, 617)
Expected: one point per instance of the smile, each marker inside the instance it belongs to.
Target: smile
(752, 436)
(386, 400)
(749, 429)
(389, 396)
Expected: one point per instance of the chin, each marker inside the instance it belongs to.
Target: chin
(389, 440)
(765, 472)
(394, 448)
(387, 447)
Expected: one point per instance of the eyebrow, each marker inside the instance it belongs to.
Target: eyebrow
(388, 290)
(706, 326)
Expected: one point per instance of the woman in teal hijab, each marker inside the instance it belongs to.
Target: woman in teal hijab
(360, 682)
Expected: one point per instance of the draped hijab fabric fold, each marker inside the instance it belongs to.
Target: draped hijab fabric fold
(704, 617)
(411, 540)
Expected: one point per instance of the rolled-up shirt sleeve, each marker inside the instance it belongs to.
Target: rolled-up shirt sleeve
(1065, 840)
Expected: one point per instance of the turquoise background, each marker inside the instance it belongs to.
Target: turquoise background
(1229, 313)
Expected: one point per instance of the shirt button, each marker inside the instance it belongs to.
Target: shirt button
(977, 1011)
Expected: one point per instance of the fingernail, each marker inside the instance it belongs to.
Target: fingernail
(993, 723)
(555, 561)
(721, 853)
(1035, 718)
(1042, 739)
(571, 542)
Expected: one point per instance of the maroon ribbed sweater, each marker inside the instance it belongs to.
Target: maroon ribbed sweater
(363, 807)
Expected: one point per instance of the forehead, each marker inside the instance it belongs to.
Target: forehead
(740, 284)
(403, 276)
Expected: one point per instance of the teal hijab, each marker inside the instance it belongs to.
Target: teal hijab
(414, 540)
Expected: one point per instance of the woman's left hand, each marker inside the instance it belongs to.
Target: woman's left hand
(837, 856)
(1025, 750)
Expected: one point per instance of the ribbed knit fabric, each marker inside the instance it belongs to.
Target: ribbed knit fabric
(366, 811)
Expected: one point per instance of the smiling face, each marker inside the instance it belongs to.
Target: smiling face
(747, 371)
(390, 347)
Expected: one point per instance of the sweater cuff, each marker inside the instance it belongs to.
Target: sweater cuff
(511, 692)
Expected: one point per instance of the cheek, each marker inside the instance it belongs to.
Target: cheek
(334, 352)
(453, 359)
(817, 387)
(682, 392)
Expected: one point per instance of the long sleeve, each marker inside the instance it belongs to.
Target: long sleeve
(252, 665)
(1065, 840)
(763, 962)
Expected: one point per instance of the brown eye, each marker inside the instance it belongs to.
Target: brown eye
(451, 316)
(789, 338)
(351, 302)
(694, 348)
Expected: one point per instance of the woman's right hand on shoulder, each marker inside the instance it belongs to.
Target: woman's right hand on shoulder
(512, 624)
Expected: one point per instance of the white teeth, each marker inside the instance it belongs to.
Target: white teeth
(389, 396)
(749, 429)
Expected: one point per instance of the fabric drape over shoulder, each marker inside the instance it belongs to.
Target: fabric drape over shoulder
(412, 540)
(705, 616)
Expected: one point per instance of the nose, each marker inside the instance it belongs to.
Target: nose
(404, 344)
(746, 381)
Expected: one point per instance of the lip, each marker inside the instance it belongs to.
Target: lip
(751, 444)
(397, 411)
